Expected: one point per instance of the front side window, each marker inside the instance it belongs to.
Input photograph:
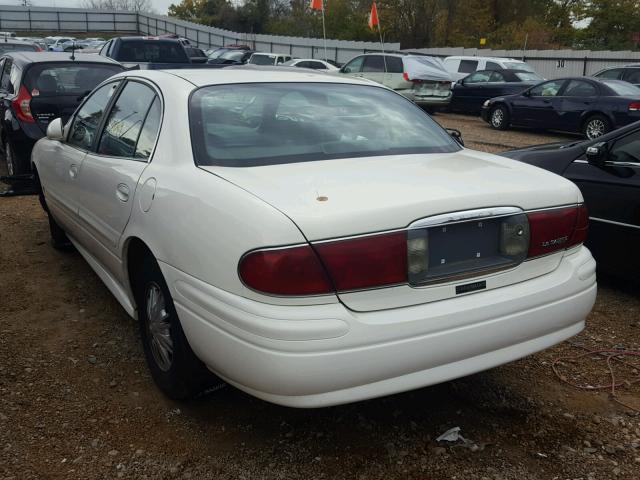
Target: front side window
(478, 77)
(273, 123)
(547, 89)
(354, 65)
(85, 124)
(125, 121)
(497, 77)
(611, 74)
(627, 149)
(468, 66)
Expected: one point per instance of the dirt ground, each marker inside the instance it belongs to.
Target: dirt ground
(76, 400)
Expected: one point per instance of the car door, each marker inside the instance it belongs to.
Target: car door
(612, 195)
(577, 97)
(373, 68)
(535, 107)
(61, 160)
(109, 175)
(468, 92)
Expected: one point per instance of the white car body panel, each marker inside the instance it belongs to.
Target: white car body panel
(314, 351)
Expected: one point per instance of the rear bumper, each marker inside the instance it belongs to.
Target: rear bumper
(314, 356)
(424, 100)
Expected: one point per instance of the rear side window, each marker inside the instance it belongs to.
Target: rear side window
(149, 131)
(246, 125)
(497, 77)
(85, 124)
(151, 51)
(468, 66)
(373, 63)
(51, 79)
(125, 121)
(262, 60)
(547, 89)
(394, 65)
(5, 81)
(578, 88)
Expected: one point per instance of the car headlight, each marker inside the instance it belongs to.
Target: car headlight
(486, 103)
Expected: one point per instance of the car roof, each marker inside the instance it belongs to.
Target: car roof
(11, 41)
(46, 57)
(149, 38)
(471, 57)
(245, 74)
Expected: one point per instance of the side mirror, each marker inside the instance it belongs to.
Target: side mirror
(345, 70)
(597, 154)
(55, 130)
(460, 82)
(456, 135)
(526, 93)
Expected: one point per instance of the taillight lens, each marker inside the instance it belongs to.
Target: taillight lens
(22, 105)
(634, 107)
(405, 75)
(558, 229)
(366, 262)
(285, 271)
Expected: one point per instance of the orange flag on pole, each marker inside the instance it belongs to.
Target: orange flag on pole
(373, 17)
(316, 4)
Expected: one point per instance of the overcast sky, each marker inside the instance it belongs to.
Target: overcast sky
(160, 6)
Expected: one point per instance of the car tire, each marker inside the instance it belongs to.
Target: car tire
(10, 159)
(499, 117)
(59, 239)
(174, 367)
(595, 126)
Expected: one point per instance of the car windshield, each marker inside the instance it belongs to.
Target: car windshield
(216, 53)
(46, 80)
(247, 125)
(232, 55)
(622, 88)
(152, 51)
(519, 66)
(16, 47)
(529, 77)
(263, 59)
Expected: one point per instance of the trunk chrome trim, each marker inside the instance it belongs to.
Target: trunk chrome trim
(464, 216)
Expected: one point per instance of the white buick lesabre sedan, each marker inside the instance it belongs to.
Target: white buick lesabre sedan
(311, 240)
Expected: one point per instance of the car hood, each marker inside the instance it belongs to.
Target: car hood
(335, 198)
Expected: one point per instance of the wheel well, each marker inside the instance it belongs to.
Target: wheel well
(135, 253)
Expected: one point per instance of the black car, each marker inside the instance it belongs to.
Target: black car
(587, 105)
(607, 171)
(628, 73)
(470, 93)
(37, 87)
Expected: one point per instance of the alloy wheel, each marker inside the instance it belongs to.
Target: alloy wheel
(595, 128)
(497, 117)
(159, 327)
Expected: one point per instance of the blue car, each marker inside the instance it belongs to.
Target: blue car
(584, 105)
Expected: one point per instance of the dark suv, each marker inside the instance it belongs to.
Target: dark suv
(36, 88)
(628, 73)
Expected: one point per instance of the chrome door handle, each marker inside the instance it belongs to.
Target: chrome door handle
(122, 192)
(73, 171)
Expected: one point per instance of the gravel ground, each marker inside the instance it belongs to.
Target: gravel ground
(76, 400)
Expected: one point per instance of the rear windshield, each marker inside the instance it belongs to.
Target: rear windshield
(262, 60)
(16, 47)
(518, 66)
(246, 125)
(622, 88)
(67, 78)
(151, 51)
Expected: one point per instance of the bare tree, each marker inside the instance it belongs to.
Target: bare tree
(128, 5)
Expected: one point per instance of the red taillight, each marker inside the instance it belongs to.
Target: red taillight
(22, 105)
(634, 107)
(405, 75)
(366, 262)
(557, 229)
(285, 271)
